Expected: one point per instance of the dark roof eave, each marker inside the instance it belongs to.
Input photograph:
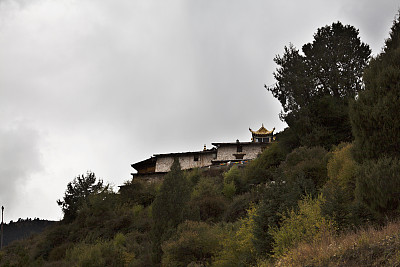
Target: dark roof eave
(213, 150)
(149, 160)
(236, 143)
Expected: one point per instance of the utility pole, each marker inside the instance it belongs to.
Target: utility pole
(2, 213)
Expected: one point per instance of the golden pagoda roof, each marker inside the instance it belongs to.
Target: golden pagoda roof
(262, 131)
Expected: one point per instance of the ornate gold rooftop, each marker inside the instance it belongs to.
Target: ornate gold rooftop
(262, 131)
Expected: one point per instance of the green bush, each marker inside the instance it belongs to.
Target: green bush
(238, 248)
(235, 175)
(193, 176)
(138, 192)
(340, 204)
(54, 237)
(307, 225)
(58, 253)
(378, 186)
(101, 253)
(261, 169)
(278, 197)
(237, 208)
(138, 244)
(206, 186)
(302, 173)
(194, 243)
(229, 189)
(308, 163)
(207, 202)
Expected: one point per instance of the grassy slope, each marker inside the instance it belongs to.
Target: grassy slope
(367, 247)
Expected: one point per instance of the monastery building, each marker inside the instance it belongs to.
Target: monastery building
(221, 154)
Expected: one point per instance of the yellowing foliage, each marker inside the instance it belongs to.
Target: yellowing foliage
(305, 226)
(238, 246)
(342, 167)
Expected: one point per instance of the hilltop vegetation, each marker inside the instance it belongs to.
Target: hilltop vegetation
(325, 194)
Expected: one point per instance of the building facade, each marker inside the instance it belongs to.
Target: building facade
(221, 154)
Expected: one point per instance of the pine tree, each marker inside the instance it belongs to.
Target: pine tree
(375, 115)
(375, 118)
(77, 194)
(168, 209)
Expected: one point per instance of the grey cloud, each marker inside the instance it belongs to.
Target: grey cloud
(20, 157)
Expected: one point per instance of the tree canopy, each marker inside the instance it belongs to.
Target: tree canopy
(77, 192)
(314, 87)
(376, 126)
(375, 114)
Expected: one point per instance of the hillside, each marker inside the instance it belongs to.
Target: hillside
(324, 194)
(366, 247)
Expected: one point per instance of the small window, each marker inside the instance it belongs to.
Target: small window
(239, 148)
(196, 158)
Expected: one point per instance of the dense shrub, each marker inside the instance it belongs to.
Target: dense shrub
(237, 208)
(207, 202)
(193, 176)
(101, 253)
(339, 190)
(378, 186)
(278, 197)
(235, 175)
(307, 163)
(342, 167)
(229, 189)
(138, 192)
(307, 225)
(262, 169)
(194, 242)
(54, 237)
(238, 248)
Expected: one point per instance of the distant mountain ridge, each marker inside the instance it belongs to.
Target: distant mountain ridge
(23, 228)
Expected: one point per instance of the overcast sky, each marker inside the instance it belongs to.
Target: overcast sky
(98, 85)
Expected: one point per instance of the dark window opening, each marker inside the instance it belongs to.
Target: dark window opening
(239, 148)
(239, 156)
(196, 158)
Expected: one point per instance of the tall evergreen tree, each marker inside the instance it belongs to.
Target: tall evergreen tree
(314, 87)
(169, 206)
(375, 118)
(375, 115)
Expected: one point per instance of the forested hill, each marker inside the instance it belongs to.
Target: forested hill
(325, 194)
(23, 228)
